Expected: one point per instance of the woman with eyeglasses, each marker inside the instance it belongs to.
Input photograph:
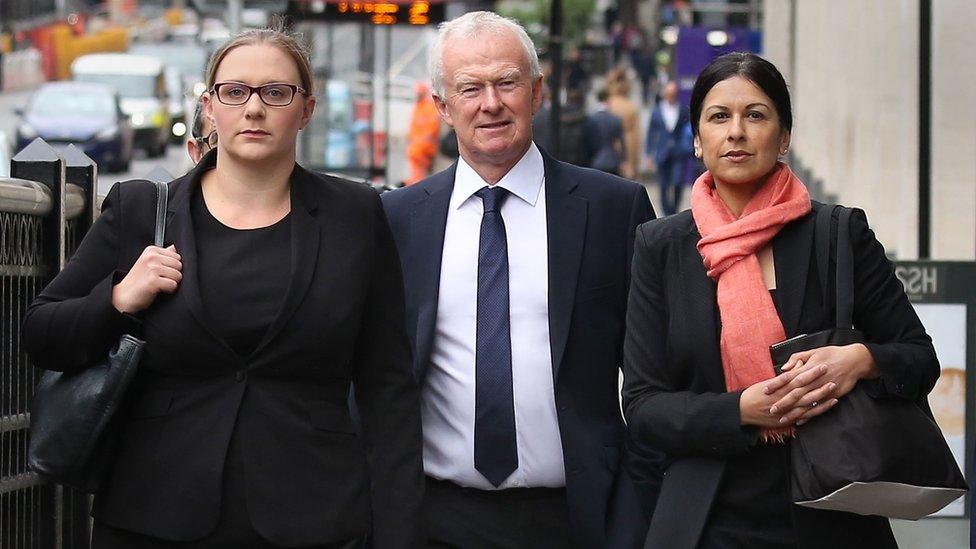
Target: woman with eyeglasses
(278, 289)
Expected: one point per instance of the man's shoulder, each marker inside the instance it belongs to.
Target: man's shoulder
(594, 182)
(398, 198)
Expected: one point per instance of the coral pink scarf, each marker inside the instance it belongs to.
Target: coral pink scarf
(750, 323)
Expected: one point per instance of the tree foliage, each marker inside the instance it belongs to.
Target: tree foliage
(534, 16)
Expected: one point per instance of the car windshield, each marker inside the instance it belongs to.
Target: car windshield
(129, 85)
(187, 59)
(71, 102)
(174, 83)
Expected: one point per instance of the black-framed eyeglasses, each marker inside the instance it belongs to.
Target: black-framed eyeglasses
(210, 141)
(236, 94)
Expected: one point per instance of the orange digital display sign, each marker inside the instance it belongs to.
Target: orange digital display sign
(415, 12)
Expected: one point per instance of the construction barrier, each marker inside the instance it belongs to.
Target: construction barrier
(68, 47)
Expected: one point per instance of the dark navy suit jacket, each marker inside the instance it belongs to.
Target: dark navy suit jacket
(664, 143)
(591, 218)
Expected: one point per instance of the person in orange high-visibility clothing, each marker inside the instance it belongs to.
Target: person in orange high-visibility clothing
(422, 139)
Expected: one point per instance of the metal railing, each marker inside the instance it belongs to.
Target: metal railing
(42, 220)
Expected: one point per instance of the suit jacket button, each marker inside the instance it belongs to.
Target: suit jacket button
(239, 375)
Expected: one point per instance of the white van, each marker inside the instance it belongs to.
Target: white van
(141, 84)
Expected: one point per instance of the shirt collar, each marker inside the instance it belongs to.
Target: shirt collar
(524, 180)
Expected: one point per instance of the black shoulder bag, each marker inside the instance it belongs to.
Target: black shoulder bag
(871, 456)
(70, 440)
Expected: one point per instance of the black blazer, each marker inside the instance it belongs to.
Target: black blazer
(310, 477)
(674, 390)
(591, 217)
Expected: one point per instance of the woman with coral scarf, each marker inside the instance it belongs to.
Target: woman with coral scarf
(712, 289)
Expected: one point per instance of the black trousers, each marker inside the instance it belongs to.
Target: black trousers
(519, 518)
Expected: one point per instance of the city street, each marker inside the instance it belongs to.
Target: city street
(176, 162)
(341, 59)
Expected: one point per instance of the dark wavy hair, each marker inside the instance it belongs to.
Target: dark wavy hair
(753, 68)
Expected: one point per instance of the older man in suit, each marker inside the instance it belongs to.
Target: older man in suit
(516, 268)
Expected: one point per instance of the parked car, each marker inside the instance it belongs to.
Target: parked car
(141, 85)
(185, 65)
(87, 114)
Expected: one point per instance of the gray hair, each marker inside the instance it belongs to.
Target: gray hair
(469, 26)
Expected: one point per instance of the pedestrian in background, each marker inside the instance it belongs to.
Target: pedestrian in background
(604, 138)
(422, 139)
(620, 104)
(202, 136)
(516, 273)
(278, 288)
(712, 289)
(668, 148)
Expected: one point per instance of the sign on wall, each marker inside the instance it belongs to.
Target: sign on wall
(944, 295)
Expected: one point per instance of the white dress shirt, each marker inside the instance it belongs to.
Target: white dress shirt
(448, 404)
(669, 114)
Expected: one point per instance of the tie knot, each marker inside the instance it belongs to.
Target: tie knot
(492, 197)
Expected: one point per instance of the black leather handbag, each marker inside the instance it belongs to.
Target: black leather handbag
(868, 455)
(71, 440)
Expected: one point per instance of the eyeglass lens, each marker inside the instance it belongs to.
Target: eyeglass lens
(275, 95)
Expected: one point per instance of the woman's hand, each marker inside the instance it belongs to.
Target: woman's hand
(841, 367)
(758, 404)
(157, 270)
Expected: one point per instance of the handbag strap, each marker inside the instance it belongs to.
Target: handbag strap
(845, 270)
(162, 198)
(844, 274)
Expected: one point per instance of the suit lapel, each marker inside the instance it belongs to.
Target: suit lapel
(702, 304)
(180, 228)
(566, 228)
(305, 235)
(428, 220)
(791, 253)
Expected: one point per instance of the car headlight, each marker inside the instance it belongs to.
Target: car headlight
(179, 129)
(108, 133)
(138, 119)
(27, 131)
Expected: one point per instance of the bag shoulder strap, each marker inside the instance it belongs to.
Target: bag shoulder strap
(162, 199)
(845, 270)
(844, 274)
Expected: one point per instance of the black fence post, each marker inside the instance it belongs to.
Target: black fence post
(40, 162)
(81, 170)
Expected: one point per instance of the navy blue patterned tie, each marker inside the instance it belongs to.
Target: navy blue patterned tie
(495, 452)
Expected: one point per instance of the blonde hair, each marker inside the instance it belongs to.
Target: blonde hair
(471, 25)
(276, 35)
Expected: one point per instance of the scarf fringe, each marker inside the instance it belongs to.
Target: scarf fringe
(777, 435)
